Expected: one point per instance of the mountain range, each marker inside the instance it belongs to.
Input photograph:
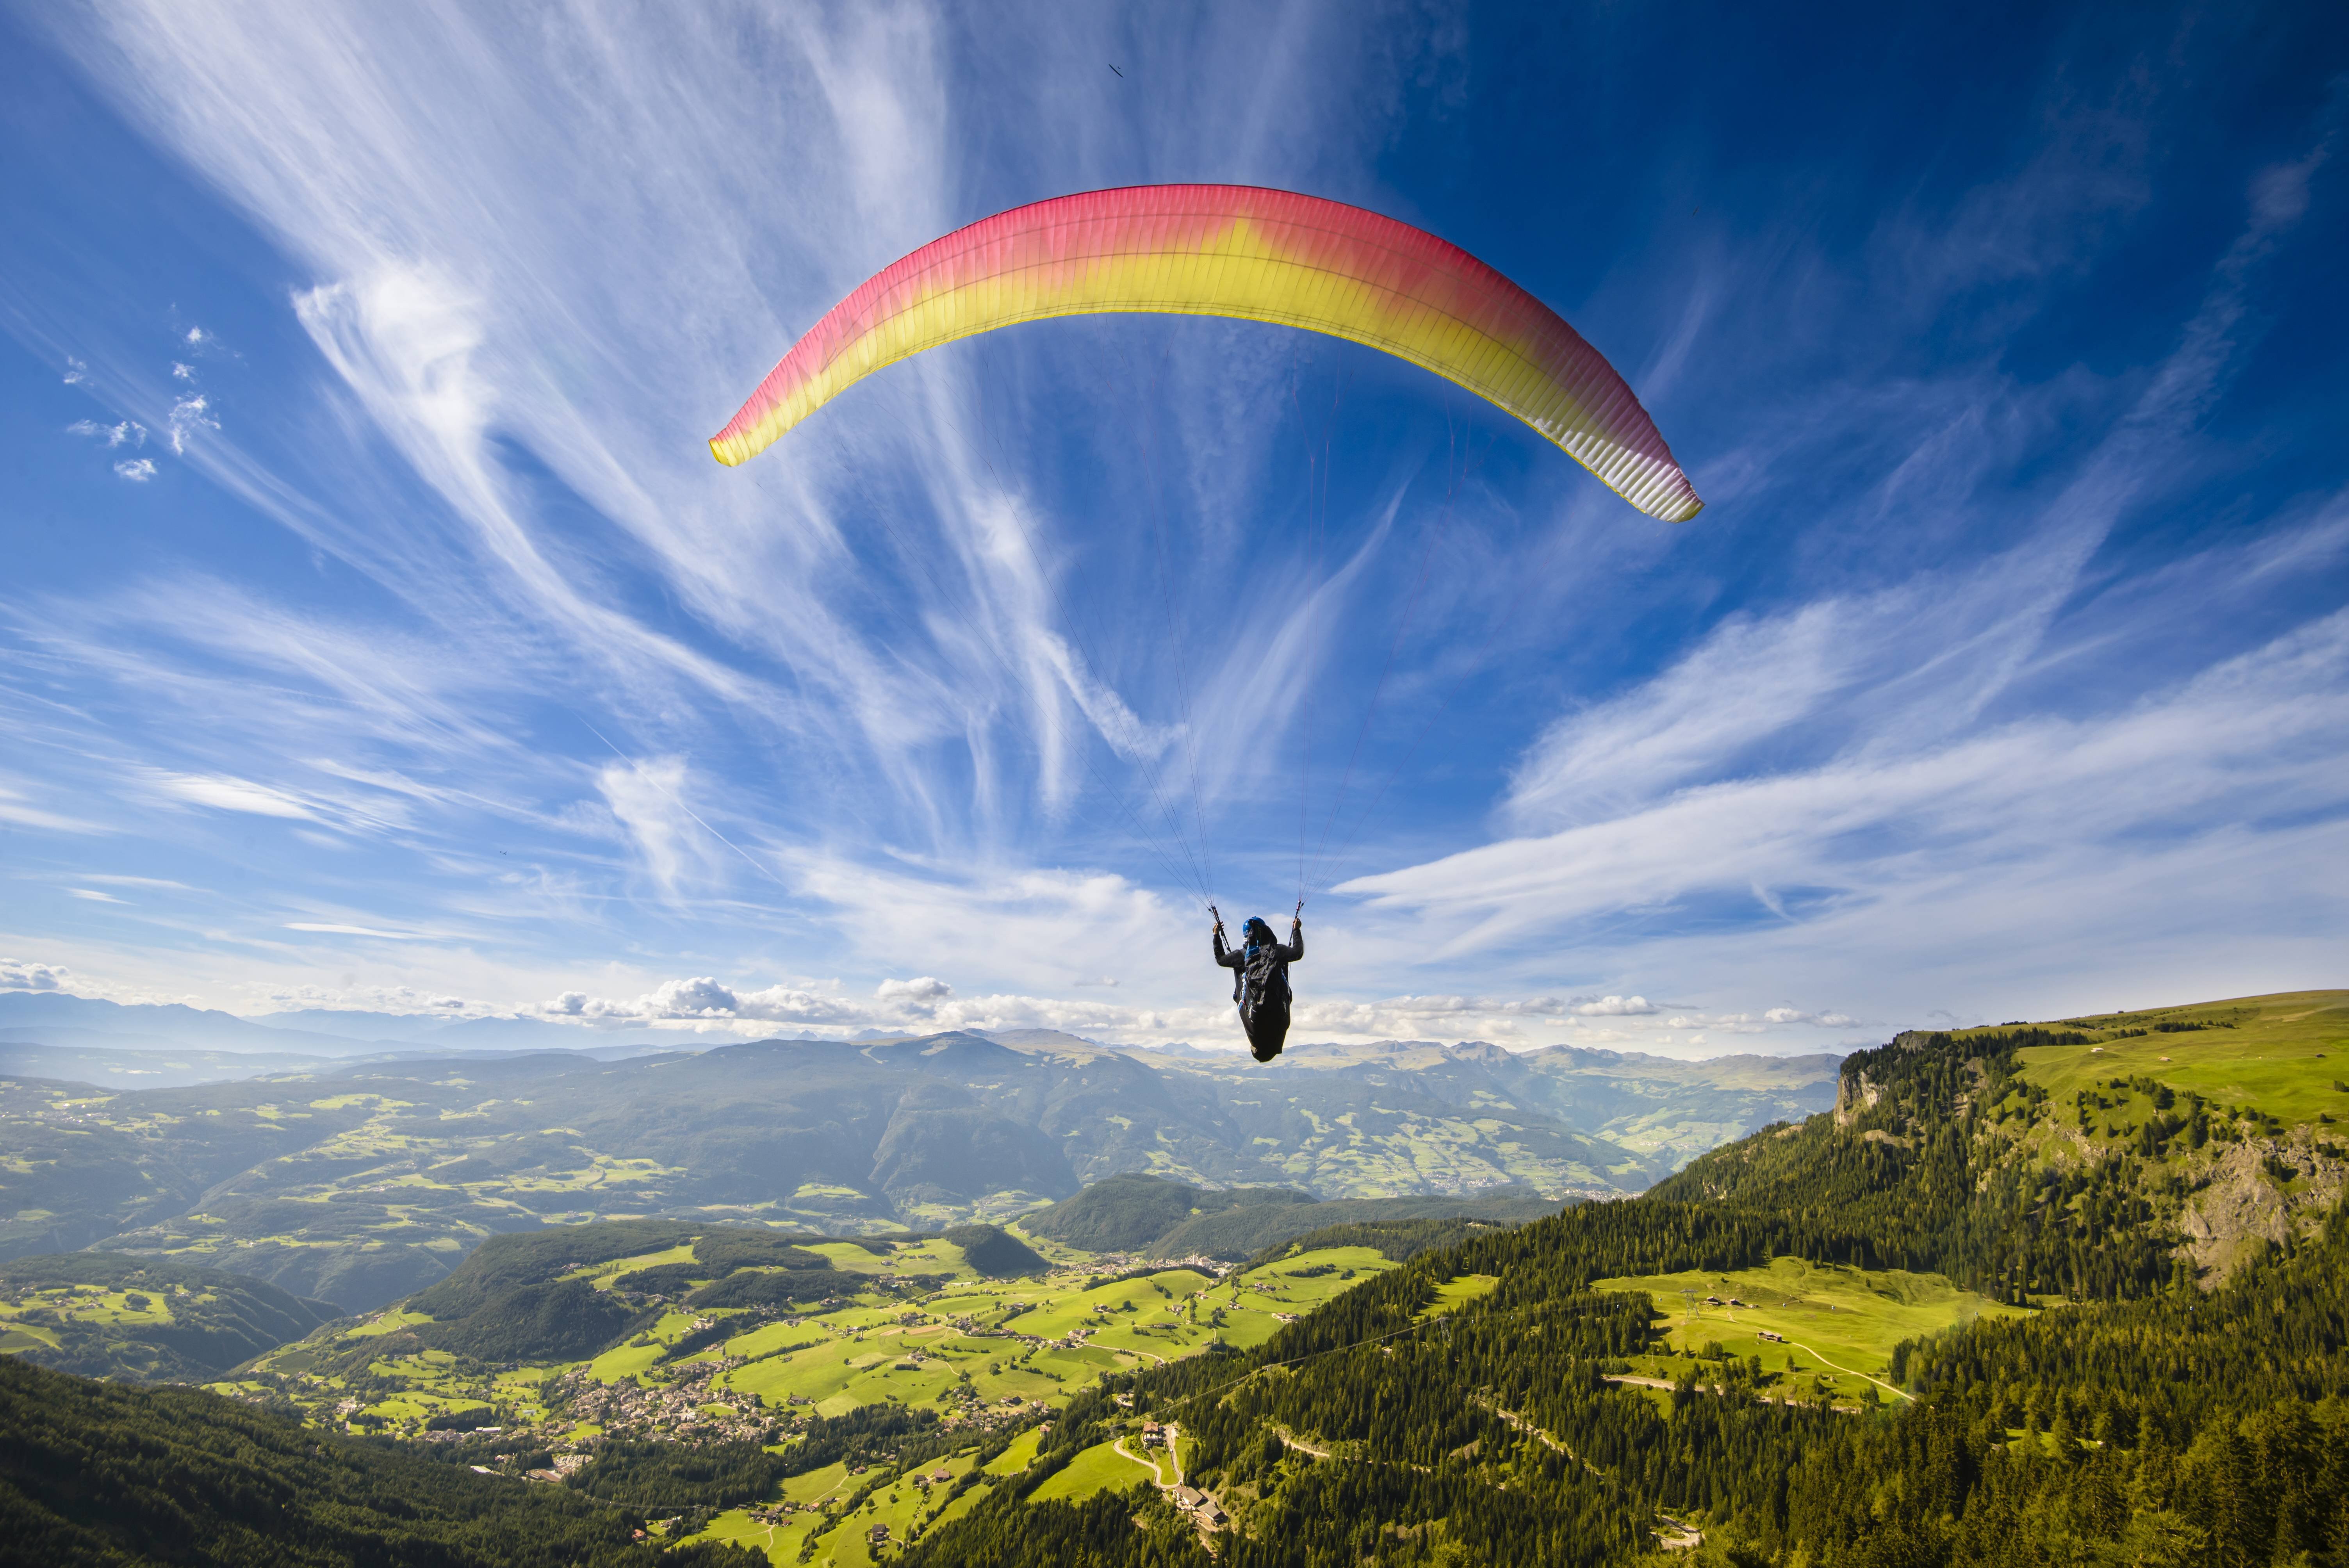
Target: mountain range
(361, 1180)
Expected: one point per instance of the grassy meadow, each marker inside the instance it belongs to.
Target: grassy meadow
(2284, 1052)
(1834, 1320)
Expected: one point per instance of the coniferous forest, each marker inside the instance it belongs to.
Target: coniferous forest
(2140, 1411)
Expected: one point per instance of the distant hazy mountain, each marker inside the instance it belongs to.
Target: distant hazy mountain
(54, 1017)
(466, 1033)
(86, 1056)
(363, 1179)
(33, 1014)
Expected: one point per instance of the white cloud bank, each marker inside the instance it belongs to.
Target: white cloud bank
(929, 1004)
(16, 974)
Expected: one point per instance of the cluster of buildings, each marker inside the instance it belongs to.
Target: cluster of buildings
(629, 1408)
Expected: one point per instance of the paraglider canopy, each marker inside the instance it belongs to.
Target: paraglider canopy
(1244, 252)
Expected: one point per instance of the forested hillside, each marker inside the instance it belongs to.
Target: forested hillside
(103, 1314)
(2151, 1370)
(93, 1473)
(1154, 1217)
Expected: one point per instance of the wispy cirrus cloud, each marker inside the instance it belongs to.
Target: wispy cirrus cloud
(338, 928)
(226, 794)
(1815, 762)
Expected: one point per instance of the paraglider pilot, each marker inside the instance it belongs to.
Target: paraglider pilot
(1260, 985)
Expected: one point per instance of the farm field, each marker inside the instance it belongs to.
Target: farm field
(1099, 1467)
(906, 1505)
(858, 1356)
(1833, 1320)
(83, 1304)
(978, 1351)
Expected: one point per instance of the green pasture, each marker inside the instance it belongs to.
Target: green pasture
(782, 1541)
(902, 1505)
(952, 1351)
(1019, 1456)
(87, 1304)
(1057, 1253)
(643, 1353)
(2281, 1054)
(1099, 1467)
(1252, 1302)
(603, 1274)
(1834, 1319)
(1457, 1293)
(898, 1500)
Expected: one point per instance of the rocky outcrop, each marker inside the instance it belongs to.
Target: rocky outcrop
(1855, 1092)
(2242, 1208)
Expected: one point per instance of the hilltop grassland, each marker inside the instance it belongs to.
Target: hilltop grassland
(2219, 1122)
(2285, 1055)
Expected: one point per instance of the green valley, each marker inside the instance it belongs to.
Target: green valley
(965, 1361)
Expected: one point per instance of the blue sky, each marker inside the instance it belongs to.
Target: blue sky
(378, 633)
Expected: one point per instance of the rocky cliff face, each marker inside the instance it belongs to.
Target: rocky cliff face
(2244, 1208)
(1855, 1092)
